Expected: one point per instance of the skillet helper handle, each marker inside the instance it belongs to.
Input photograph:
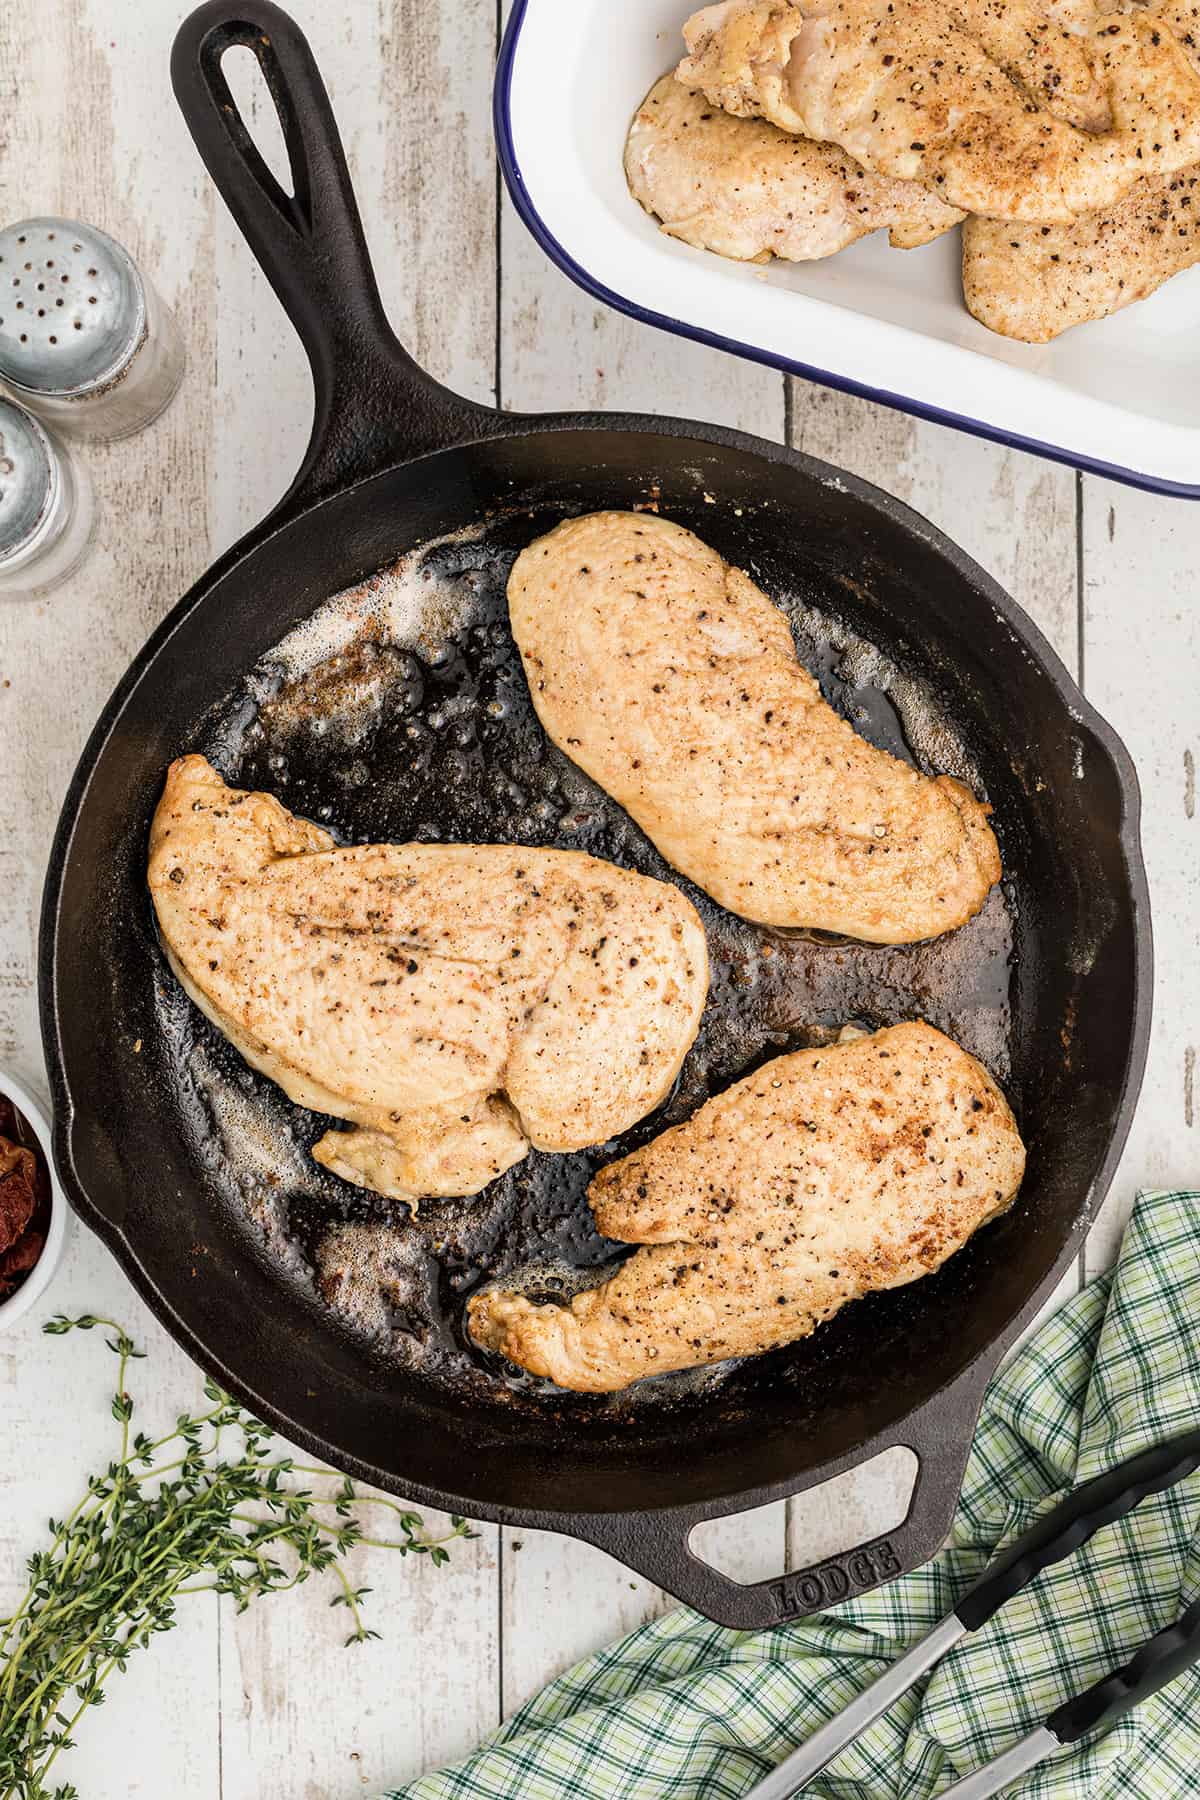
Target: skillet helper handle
(1076, 1521)
(657, 1544)
(373, 406)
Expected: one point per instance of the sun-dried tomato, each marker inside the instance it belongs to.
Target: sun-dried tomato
(19, 1260)
(24, 1199)
(18, 1173)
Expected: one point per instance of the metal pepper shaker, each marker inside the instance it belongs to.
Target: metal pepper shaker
(46, 511)
(85, 340)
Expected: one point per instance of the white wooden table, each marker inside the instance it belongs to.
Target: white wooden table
(267, 1705)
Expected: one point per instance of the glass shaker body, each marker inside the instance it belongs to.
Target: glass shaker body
(86, 342)
(46, 507)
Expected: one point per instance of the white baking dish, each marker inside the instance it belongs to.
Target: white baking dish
(1121, 397)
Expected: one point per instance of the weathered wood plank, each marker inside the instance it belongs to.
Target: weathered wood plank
(559, 349)
(54, 1396)
(84, 142)
(303, 1714)
(91, 128)
(96, 132)
(1016, 516)
(402, 80)
(559, 1601)
(1014, 513)
(1141, 663)
(81, 134)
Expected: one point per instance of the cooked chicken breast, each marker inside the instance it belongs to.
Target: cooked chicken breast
(455, 1003)
(944, 95)
(1032, 282)
(822, 1177)
(745, 189)
(673, 682)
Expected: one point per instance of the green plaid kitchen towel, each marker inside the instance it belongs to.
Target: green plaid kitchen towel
(685, 1710)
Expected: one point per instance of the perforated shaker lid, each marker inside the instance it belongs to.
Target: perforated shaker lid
(28, 478)
(72, 306)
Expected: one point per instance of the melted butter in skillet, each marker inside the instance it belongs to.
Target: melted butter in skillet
(399, 712)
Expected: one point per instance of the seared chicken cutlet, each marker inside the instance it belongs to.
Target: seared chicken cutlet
(947, 95)
(1031, 283)
(824, 1176)
(454, 1003)
(745, 189)
(673, 682)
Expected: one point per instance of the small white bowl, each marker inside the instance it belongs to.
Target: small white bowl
(43, 1272)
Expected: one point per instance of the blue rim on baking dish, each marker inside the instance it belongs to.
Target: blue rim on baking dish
(594, 241)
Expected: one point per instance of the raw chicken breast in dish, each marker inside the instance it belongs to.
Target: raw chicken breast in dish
(454, 1003)
(745, 189)
(673, 682)
(824, 1176)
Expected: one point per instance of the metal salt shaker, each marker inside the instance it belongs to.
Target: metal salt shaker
(85, 341)
(46, 510)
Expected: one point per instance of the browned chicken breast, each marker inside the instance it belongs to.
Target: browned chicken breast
(745, 189)
(1044, 47)
(673, 682)
(454, 1003)
(822, 1177)
(1032, 282)
(998, 108)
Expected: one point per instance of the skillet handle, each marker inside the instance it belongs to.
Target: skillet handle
(374, 406)
(657, 1544)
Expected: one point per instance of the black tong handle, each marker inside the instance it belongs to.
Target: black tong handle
(1064, 1530)
(1168, 1653)
(1097, 1503)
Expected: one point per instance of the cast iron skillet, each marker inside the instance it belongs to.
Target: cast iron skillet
(395, 460)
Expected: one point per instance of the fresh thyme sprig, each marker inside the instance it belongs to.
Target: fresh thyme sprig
(204, 1508)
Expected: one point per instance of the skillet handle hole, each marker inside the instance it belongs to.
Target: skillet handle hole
(865, 1503)
(256, 107)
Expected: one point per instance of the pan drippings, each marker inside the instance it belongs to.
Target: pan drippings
(400, 711)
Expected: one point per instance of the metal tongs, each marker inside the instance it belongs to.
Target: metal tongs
(1064, 1530)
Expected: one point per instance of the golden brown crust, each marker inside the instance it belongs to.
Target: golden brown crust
(1032, 282)
(1000, 108)
(826, 1175)
(744, 189)
(673, 682)
(457, 1003)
